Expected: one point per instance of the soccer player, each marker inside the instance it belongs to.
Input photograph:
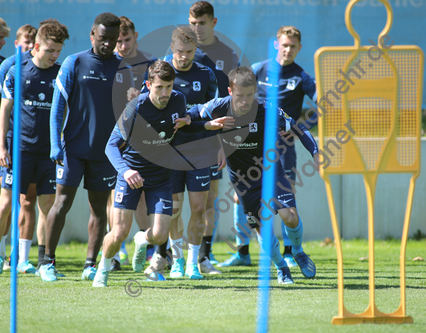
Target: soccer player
(221, 59)
(244, 155)
(140, 161)
(84, 86)
(294, 84)
(38, 76)
(198, 84)
(139, 61)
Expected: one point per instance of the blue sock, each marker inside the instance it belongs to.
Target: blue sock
(123, 247)
(286, 240)
(216, 219)
(243, 237)
(295, 235)
(276, 256)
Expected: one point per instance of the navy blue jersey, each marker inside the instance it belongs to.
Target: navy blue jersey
(9, 62)
(94, 90)
(139, 66)
(145, 135)
(37, 93)
(294, 83)
(221, 59)
(244, 143)
(1, 59)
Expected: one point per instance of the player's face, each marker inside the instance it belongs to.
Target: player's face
(242, 98)
(47, 53)
(159, 92)
(183, 54)
(26, 43)
(2, 41)
(127, 44)
(203, 27)
(104, 40)
(288, 48)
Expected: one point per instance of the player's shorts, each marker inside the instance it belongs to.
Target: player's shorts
(251, 200)
(34, 169)
(195, 180)
(288, 161)
(215, 174)
(98, 175)
(158, 199)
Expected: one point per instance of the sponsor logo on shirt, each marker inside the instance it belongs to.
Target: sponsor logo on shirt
(238, 138)
(220, 65)
(253, 127)
(41, 96)
(202, 177)
(196, 86)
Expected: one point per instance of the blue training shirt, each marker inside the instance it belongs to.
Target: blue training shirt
(243, 144)
(37, 93)
(95, 92)
(294, 83)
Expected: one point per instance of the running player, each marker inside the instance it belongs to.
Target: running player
(243, 156)
(38, 75)
(156, 113)
(221, 59)
(294, 84)
(85, 84)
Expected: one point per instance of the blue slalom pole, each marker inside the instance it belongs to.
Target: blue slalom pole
(268, 185)
(16, 190)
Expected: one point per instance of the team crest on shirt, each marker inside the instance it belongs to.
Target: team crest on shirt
(119, 77)
(220, 65)
(119, 197)
(252, 127)
(26, 81)
(175, 116)
(196, 85)
(60, 173)
(291, 84)
(41, 96)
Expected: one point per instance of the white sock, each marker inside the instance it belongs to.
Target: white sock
(3, 246)
(105, 263)
(24, 250)
(177, 248)
(117, 257)
(140, 238)
(193, 254)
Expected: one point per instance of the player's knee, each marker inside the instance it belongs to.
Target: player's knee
(176, 210)
(198, 209)
(160, 237)
(290, 217)
(45, 205)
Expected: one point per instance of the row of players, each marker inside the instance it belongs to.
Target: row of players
(299, 86)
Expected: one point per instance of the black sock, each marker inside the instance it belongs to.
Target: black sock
(150, 246)
(90, 262)
(287, 249)
(41, 253)
(205, 248)
(244, 250)
(162, 250)
(49, 259)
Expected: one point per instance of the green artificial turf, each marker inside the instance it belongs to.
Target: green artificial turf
(221, 303)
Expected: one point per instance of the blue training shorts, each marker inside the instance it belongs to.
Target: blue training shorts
(214, 173)
(195, 180)
(98, 175)
(158, 199)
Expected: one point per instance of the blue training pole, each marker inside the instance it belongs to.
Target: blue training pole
(16, 190)
(268, 185)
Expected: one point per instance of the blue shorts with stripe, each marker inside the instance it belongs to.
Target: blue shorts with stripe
(158, 198)
(98, 175)
(214, 173)
(195, 180)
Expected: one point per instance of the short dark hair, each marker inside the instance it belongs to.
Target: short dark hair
(57, 23)
(126, 25)
(53, 32)
(162, 69)
(201, 8)
(4, 29)
(107, 20)
(185, 35)
(241, 76)
(27, 30)
(289, 31)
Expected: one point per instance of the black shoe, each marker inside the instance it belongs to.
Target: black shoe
(115, 265)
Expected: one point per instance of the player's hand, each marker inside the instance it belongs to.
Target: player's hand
(220, 123)
(180, 122)
(132, 93)
(221, 158)
(287, 135)
(316, 161)
(59, 162)
(5, 160)
(133, 178)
